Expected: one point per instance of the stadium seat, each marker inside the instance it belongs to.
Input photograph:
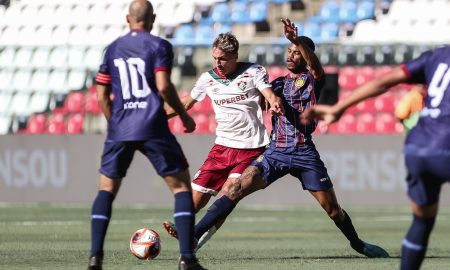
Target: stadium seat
(75, 123)
(184, 34)
(365, 123)
(76, 79)
(202, 121)
(75, 102)
(36, 124)
(39, 103)
(56, 123)
(220, 13)
(21, 81)
(91, 103)
(6, 77)
(365, 10)
(5, 100)
(364, 74)
(93, 58)
(240, 13)
(19, 104)
(345, 125)
(79, 34)
(58, 57)
(329, 11)
(258, 12)
(7, 56)
(5, 124)
(23, 57)
(329, 32)
(347, 12)
(57, 81)
(312, 30)
(203, 35)
(39, 81)
(347, 78)
(276, 71)
(10, 36)
(60, 35)
(385, 102)
(176, 126)
(387, 124)
(41, 57)
(203, 107)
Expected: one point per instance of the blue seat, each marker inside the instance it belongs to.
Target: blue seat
(220, 13)
(312, 30)
(330, 12)
(329, 31)
(203, 35)
(347, 12)
(222, 28)
(258, 12)
(184, 34)
(365, 10)
(240, 13)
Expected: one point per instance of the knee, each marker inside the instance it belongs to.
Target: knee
(234, 190)
(335, 213)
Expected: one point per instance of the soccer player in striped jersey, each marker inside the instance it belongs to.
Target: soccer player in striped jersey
(136, 72)
(236, 90)
(427, 146)
(291, 150)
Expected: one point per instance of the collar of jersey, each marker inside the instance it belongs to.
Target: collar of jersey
(227, 80)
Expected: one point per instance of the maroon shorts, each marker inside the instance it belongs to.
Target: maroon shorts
(222, 163)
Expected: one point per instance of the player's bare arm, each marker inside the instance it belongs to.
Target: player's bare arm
(104, 100)
(276, 105)
(331, 114)
(169, 94)
(312, 62)
(187, 101)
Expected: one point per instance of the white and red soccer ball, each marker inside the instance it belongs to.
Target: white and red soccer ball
(145, 244)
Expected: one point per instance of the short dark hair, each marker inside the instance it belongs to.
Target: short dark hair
(308, 42)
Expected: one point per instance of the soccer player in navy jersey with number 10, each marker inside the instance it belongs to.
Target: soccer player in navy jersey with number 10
(136, 71)
(427, 146)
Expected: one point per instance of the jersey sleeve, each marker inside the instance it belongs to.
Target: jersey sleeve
(163, 57)
(103, 76)
(261, 78)
(415, 69)
(199, 91)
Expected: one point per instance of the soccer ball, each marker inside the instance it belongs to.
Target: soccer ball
(145, 244)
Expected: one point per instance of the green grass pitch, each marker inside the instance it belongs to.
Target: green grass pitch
(50, 237)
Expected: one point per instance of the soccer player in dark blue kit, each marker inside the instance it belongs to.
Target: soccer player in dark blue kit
(291, 150)
(136, 71)
(427, 146)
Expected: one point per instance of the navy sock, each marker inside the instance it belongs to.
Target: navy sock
(219, 210)
(346, 227)
(100, 215)
(184, 218)
(416, 242)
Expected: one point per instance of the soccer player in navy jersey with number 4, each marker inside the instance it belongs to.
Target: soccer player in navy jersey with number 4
(291, 150)
(136, 71)
(427, 146)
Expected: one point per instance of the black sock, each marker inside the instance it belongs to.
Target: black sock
(219, 210)
(100, 216)
(350, 233)
(415, 243)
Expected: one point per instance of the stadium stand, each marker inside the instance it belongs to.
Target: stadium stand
(47, 62)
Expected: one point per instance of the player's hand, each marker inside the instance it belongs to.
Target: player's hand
(290, 30)
(328, 114)
(277, 106)
(188, 123)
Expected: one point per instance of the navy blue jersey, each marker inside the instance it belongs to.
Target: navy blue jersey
(433, 129)
(298, 93)
(129, 67)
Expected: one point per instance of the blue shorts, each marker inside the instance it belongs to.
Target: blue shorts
(302, 162)
(426, 174)
(164, 153)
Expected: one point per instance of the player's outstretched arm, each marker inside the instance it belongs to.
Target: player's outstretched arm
(187, 101)
(313, 63)
(378, 86)
(104, 100)
(169, 94)
(275, 102)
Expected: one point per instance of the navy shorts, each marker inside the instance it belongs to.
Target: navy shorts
(302, 162)
(426, 174)
(164, 153)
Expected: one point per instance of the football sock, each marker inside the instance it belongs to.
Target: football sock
(184, 218)
(205, 237)
(346, 227)
(100, 216)
(219, 210)
(415, 243)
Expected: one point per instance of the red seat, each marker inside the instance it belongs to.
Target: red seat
(75, 123)
(75, 102)
(347, 78)
(202, 123)
(365, 74)
(91, 103)
(212, 124)
(386, 123)
(36, 124)
(176, 126)
(382, 70)
(56, 123)
(343, 94)
(276, 71)
(385, 103)
(204, 106)
(345, 125)
(365, 123)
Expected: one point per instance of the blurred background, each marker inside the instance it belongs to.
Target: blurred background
(50, 51)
